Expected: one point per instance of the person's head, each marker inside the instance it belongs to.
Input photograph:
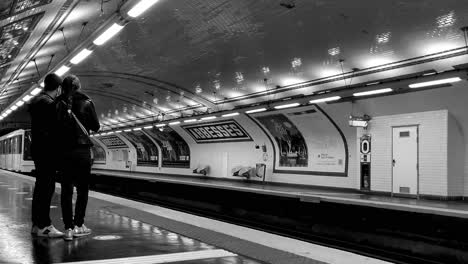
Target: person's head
(70, 85)
(52, 83)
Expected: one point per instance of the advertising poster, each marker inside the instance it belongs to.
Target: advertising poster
(99, 154)
(147, 151)
(306, 141)
(175, 151)
(112, 142)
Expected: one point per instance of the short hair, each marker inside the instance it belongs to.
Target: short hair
(51, 82)
(71, 84)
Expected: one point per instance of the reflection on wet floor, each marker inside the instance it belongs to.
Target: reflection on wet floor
(114, 235)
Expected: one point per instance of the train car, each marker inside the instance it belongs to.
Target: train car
(15, 151)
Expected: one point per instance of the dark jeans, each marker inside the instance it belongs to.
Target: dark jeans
(43, 191)
(76, 171)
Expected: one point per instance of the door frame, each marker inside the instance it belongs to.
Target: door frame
(417, 159)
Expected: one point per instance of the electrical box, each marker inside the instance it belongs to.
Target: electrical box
(365, 162)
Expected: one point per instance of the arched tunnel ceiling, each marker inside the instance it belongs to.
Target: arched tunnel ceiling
(194, 54)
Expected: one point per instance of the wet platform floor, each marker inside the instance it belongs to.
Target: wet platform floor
(114, 235)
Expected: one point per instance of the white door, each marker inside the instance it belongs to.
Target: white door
(405, 160)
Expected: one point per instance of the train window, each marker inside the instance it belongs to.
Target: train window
(1, 147)
(9, 145)
(27, 145)
(19, 143)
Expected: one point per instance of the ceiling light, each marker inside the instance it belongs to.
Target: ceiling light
(208, 118)
(148, 127)
(26, 98)
(255, 110)
(379, 91)
(326, 99)
(141, 7)
(42, 84)
(160, 125)
(190, 121)
(81, 56)
(109, 33)
(231, 114)
(127, 130)
(287, 105)
(62, 70)
(118, 131)
(19, 103)
(174, 123)
(13, 108)
(137, 129)
(436, 82)
(36, 91)
(8, 111)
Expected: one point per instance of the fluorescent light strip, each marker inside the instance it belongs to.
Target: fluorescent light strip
(231, 114)
(190, 121)
(13, 108)
(327, 99)
(372, 83)
(27, 97)
(42, 84)
(148, 127)
(81, 56)
(174, 123)
(287, 105)
(160, 125)
(108, 34)
(436, 82)
(19, 103)
(208, 118)
(62, 70)
(380, 91)
(127, 130)
(141, 7)
(137, 129)
(36, 91)
(118, 131)
(255, 111)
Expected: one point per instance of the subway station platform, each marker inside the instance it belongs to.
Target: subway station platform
(126, 231)
(309, 193)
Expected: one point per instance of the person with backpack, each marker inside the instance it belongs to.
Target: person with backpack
(44, 151)
(76, 118)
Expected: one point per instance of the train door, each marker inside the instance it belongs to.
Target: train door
(405, 160)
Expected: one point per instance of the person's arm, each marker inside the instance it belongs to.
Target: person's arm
(93, 121)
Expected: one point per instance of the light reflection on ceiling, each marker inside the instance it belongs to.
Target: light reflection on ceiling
(203, 53)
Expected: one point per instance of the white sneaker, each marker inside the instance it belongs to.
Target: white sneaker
(81, 231)
(49, 231)
(68, 234)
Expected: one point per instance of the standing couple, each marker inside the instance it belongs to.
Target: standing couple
(61, 118)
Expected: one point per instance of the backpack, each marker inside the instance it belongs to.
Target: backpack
(72, 133)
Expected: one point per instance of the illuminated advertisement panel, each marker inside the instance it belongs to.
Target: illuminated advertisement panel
(222, 131)
(147, 151)
(112, 142)
(306, 141)
(99, 154)
(175, 151)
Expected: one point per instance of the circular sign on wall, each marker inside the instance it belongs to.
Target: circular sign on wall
(365, 146)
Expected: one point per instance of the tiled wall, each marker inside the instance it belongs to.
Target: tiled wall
(433, 134)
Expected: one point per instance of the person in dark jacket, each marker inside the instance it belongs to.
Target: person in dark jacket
(44, 150)
(76, 118)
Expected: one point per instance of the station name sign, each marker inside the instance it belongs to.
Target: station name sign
(222, 131)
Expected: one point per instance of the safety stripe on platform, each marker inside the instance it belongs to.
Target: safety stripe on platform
(166, 258)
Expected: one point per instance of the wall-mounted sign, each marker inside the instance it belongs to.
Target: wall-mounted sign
(222, 131)
(112, 142)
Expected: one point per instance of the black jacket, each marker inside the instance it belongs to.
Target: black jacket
(43, 126)
(83, 108)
